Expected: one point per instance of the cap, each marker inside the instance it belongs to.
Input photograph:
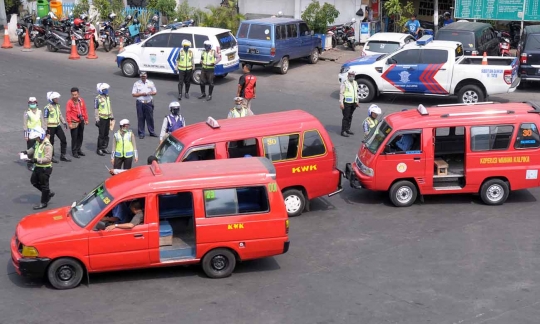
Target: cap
(124, 122)
(238, 98)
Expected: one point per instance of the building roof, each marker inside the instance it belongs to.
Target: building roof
(191, 175)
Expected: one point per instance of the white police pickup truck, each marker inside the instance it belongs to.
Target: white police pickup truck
(436, 68)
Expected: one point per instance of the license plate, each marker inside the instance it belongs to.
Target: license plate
(19, 31)
(231, 56)
(351, 38)
(253, 51)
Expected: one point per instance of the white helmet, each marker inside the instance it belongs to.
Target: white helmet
(102, 86)
(207, 43)
(124, 122)
(32, 100)
(185, 42)
(37, 133)
(52, 95)
(374, 109)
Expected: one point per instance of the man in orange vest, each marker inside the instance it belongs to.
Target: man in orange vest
(247, 85)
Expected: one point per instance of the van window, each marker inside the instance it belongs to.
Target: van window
(169, 150)
(241, 148)
(433, 56)
(281, 147)
(176, 39)
(226, 40)
(407, 142)
(281, 32)
(527, 136)
(261, 32)
(304, 29)
(487, 138)
(200, 154)
(160, 40)
(292, 31)
(175, 205)
(377, 136)
(313, 144)
(199, 40)
(407, 57)
(466, 38)
(442, 131)
(243, 30)
(532, 42)
(234, 201)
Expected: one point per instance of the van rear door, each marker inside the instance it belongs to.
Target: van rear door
(255, 41)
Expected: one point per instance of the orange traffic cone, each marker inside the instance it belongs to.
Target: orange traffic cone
(27, 46)
(484, 59)
(74, 55)
(7, 43)
(92, 52)
(121, 48)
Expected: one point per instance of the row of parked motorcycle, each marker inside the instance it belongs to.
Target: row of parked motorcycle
(57, 34)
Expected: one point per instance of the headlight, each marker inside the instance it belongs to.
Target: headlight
(367, 171)
(344, 69)
(29, 252)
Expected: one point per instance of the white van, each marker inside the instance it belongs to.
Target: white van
(158, 53)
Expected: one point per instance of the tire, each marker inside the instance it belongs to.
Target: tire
(403, 193)
(470, 94)
(196, 76)
(96, 44)
(106, 44)
(39, 42)
(129, 68)
(334, 42)
(284, 66)
(353, 46)
(83, 48)
(366, 90)
(295, 202)
(314, 56)
(218, 263)
(21, 40)
(51, 48)
(65, 273)
(494, 192)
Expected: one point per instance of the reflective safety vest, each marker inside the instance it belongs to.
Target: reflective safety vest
(185, 61)
(53, 115)
(124, 146)
(236, 114)
(371, 122)
(351, 92)
(208, 59)
(34, 119)
(104, 108)
(39, 152)
(173, 124)
(250, 86)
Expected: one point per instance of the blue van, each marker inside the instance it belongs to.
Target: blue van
(275, 41)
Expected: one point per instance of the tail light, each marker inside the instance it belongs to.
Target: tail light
(273, 51)
(474, 53)
(523, 58)
(508, 76)
(287, 226)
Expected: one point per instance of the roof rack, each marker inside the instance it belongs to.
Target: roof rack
(534, 105)
(489, 112)
(467, 104)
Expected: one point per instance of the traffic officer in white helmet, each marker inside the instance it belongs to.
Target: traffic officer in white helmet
(239, 109)
(209, 59)
(32, 119)
(371, 121)
(185, 64)
(173, 121)
(348, 101)
(124, 147)
(41, 156)
(104, 116)
(54, 119)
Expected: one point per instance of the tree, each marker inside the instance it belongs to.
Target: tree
(166, 7)
(82, 6)
(185, 11)
(103, 7)
(318, 18)
(222, 17)
(401, 13)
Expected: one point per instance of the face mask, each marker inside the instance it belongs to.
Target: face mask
(105, 91)
(175, 112)
(238, 106)
(351, 78)
(207, 47)
(32, 106)
(186, 48)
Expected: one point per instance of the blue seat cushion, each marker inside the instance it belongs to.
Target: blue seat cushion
(165, 229)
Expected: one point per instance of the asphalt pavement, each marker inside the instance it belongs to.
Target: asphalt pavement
(353, 259)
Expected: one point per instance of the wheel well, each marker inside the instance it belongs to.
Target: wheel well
(370, 79)
(233, 251)
(469, 82)
(405, 179)
(505, 179)
(300, 188)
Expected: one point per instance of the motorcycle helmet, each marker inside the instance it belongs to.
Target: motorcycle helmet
(155, 18)
(128, 17)
(124, 122)
(185, 42)
(78, 22)
(84, 16)
(135, 21)
(447, 14)
(374, 109)
(103, 88)
(111, 16)
(174, 107)
(207, 45)
(51, 95)
(37, 132)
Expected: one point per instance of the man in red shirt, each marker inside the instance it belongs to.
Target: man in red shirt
(76, 117)
(247, 86)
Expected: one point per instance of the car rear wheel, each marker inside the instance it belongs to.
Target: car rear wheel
(65, 273)
(403, 193)
(219, 263)
(196, 76)
(295, 202)
(284, 66)
(314, 57)
(494, 192)
(129, 68)
(366, 90)
(470, 94)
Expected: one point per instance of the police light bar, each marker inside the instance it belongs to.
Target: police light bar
(212, 123)
(422, 110)
(424, 40)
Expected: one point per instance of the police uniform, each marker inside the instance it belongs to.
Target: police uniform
(145, 107)
(54, 119)
(185, 65)
(237, 113)
(104, 116)
(170, 124)
(32, 120)
(124, 149)
(209, 59)
(41, 155)
(368, 124)
(348, 96)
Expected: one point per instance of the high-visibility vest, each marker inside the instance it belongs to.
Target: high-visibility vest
(250, 86)
(124, 146)
(34, 119)
(53, 116)
(236, 114)
(208, 59)
(371, 122)
(39, 152)
(185, 61)
(104, 107)
(351, 92)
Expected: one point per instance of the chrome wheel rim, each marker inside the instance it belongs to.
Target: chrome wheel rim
(129, 69)
(470, 97)
(292, 204)
(404, 194)
(495, 193)
(363, 91)
(285, 65)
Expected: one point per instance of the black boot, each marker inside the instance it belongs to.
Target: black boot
(50, 196)
(53, 160)
(349, 132)
(203, 95)
(187, 95)
(344, 134)
(106, 151)
(64, 158)
(203, 92)
(100, 153)
(180, 86)
(40, 206)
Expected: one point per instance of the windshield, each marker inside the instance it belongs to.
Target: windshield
(465, 38)
(91, 206)
(533, 43)
(382, 46)
(377, 135)
(169, 150)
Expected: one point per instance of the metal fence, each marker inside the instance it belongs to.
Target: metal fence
(69, 7)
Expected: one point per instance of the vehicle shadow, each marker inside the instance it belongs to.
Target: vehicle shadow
(363, 197)
(321, 204)
(27, 199)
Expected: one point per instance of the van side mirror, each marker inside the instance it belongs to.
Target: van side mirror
(100, 226)
(387, 148)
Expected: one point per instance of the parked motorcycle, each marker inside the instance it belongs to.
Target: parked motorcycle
(57, 40)
(504, 43)
(337, 34)
(151, 28)
(27, 25)
(107, 34)
(349, 36)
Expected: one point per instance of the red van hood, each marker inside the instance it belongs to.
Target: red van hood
(366, 157)
(47, 224)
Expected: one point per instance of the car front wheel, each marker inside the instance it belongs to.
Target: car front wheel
(65, 273)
